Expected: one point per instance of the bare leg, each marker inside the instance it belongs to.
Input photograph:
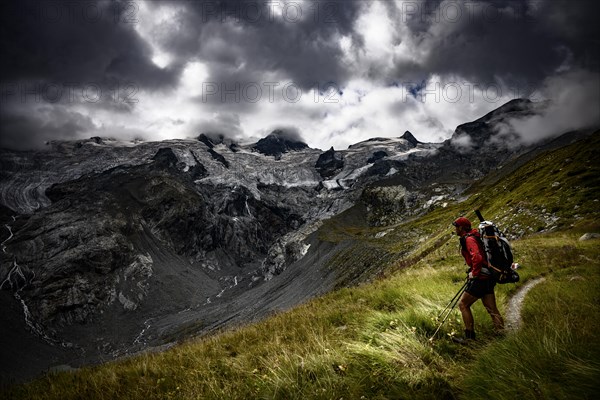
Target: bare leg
(464, 305)
(489, 302)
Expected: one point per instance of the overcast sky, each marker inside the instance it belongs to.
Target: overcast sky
(337, 72)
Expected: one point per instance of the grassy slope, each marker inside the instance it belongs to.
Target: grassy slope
(371, 341)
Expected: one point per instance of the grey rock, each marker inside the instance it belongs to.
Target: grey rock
(378, 155)
(589, 236)
(329, 163)
(278, 143)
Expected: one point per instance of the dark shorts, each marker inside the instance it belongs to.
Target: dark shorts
(480, 287)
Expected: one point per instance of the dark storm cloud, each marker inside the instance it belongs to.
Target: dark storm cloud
(517, 42)
(31, 128)
(58, 54)
(76, 42)
(576, 25)
(241, 40)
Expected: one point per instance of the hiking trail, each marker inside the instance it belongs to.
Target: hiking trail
(513, 313)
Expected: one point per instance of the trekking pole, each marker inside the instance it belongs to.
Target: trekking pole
(478, 213)
(452, 307)
(450, 311)
(455, 296)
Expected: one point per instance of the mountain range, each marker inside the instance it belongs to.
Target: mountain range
(110, 248)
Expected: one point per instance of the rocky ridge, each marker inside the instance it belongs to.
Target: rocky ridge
(115, 246)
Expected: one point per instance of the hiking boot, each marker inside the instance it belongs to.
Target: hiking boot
(459, 340)
(469, 335)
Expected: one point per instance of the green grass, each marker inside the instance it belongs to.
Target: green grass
(371, 341)
(557, 353)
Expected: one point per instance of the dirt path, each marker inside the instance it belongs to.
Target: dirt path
(513, 315)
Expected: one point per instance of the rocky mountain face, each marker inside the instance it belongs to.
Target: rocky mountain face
(277, 143)
(110, 247)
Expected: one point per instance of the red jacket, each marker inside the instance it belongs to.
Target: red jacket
(473, 253)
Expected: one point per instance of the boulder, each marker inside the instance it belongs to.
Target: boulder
(589, 236)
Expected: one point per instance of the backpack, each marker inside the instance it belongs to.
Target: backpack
(497, 252)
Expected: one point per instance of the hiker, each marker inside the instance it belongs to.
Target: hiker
(480, 283)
